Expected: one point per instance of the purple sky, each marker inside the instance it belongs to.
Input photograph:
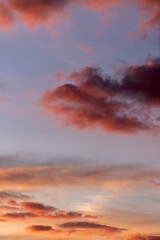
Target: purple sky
(73, 136)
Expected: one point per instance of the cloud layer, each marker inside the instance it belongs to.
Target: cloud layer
(33, 12)
(82, 175)
(37, 12)
(18, 208)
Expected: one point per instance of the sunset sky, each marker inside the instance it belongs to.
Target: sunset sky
(80, 119)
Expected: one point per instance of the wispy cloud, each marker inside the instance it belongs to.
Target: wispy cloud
(53, 175)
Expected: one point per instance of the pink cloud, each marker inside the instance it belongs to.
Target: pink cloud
(93, 99)
(86, 48)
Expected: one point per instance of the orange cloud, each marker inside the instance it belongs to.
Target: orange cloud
(100, 5)
(12, 203)
(151, 20)
(37, 177)
(53, 175)
(8, 208)
(33, 13)
(41, 210)
(6, 17)
(37, 207)
(153, 9)
(76, 229)
(40, 228)
(31, 210)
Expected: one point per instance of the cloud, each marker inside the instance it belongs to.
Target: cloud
(66, 215)
(143, 237)
(6, 17)
(8, 208)
(58, 75)
(37, 207)
(149, 11)
(53, 175)
(7, 195)
(74, 228)
(35, 12)
(93, 99)
(86, 48)
(17, 215)
(153, 9)
(91, 228)
(39, 228)
(25, 210)
(31, 11)
(12, 203)
(100, 5)
(90, 225)
(41, 210)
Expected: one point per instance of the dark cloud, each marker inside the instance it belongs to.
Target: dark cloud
(142, 82)
(17, 215)
(41, 210)
(97, 100)
(33, 12)
(66, 215)
(69, 215)
(143, 237)
(25, 210)
(39, 228)
(90, 225)
(37, 207)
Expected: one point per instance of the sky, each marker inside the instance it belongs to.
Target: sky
(80, 119)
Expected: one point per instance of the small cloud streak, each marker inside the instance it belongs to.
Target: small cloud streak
(37, 207)
(12, 203)
(86, 48)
